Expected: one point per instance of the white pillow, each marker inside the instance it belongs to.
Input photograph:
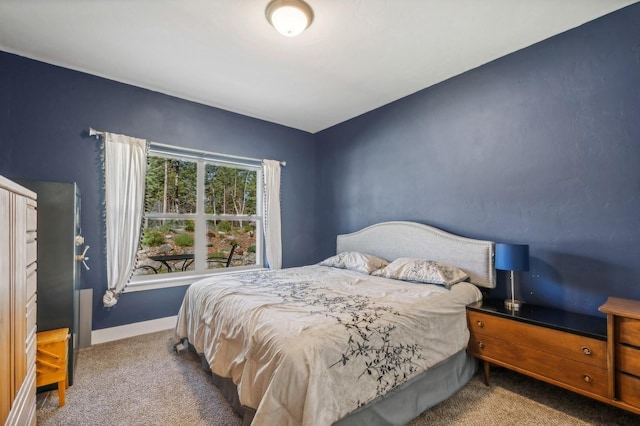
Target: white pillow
(355, 261)
(422, 271)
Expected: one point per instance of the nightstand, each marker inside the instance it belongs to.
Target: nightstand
(562, 348)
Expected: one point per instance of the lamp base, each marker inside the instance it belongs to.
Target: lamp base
(512, 305)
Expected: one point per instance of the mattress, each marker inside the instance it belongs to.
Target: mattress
(309, 345)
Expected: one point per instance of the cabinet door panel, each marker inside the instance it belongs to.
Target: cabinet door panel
(20, 290)
(6, 395)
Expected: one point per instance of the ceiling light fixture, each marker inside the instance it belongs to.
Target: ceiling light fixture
(289, 17)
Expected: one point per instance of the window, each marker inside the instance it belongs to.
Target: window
(202, 215)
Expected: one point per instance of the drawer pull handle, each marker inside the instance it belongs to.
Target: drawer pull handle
(586, 350)
(480, 324)
(481, 345)
(587, 378)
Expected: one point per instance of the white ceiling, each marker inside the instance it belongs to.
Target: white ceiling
(356, 56)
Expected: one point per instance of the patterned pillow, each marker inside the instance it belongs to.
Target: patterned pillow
(355, 261)
(422, 271)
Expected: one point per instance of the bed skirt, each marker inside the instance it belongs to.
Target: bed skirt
(405, 402)
(398, 407)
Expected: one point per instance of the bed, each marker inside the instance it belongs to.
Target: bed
(349, 341)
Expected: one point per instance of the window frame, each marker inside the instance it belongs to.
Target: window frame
(200, 218)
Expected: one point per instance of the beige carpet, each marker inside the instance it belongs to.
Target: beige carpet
(142, 381)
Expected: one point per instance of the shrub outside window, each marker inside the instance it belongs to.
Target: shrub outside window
(201, 216)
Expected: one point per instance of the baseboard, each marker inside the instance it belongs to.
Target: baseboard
(130, 330)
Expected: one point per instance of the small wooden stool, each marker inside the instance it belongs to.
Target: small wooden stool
(51, 359)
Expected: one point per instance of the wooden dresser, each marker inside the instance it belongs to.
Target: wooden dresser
(623, 327)
(18, 283)
(569, 350)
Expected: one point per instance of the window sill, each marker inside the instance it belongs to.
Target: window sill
(179, 279)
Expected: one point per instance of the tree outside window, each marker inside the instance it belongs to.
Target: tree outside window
(199, 216)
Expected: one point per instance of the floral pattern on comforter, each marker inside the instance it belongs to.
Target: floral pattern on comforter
(309, 345)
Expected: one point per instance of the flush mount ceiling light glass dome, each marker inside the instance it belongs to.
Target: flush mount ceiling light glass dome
(289, 17)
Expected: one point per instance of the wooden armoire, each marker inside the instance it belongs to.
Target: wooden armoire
(18, 313)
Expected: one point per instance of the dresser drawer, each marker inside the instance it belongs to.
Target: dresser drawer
(32, 219)
(32, 279)
(628, 359)
(628, 330)
(32, 251)
(572, 346)
(628, 389)
(32, 314)
(559, 370)
(31, 351)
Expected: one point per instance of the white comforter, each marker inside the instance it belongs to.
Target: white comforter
(306, 346)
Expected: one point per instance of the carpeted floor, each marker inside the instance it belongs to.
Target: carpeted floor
(142, 381)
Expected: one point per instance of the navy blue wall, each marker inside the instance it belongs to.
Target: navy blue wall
(540, 147)
(45, 112)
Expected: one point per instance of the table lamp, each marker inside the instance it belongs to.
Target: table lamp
(512, 257)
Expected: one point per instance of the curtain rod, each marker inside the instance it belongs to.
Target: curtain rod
(100, 134)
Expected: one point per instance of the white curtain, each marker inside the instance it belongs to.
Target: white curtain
(272, 233)
(125, 167)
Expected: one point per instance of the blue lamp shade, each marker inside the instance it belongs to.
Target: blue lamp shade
(512, 257)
